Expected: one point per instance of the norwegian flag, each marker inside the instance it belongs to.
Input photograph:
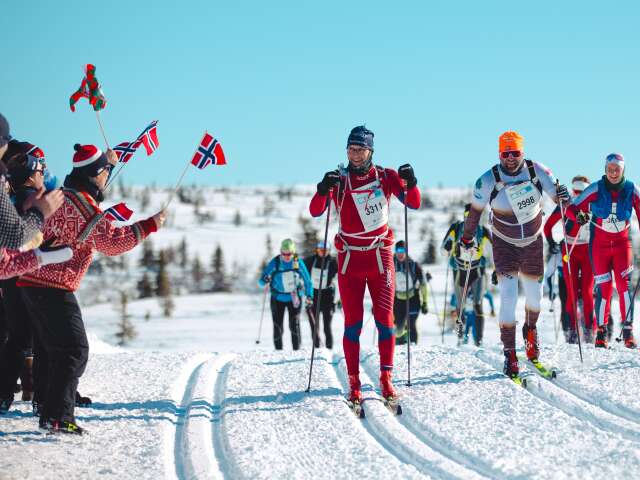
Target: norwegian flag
(125, 150)
(118, 213)
(209, 152)
(149, 137)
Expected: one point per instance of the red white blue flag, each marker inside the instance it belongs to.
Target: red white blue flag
(119, 213)
(149, 138)
(209, 152)
(125, 150)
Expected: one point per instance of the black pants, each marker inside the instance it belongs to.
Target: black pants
(400, 314)
(3, 325)
(277, 314)
(58, 323)
(327, 308)
(19, 341)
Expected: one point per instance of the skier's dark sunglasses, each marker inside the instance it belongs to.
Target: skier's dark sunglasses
(286, 254)
(511, 153)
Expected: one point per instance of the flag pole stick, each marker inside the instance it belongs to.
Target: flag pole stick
(175, 189)
(113, 177)
(102, 129)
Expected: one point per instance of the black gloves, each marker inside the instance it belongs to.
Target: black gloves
(424, 308)
(562, 193)
(429, 277)
(553, 246)
(583, 218)
(328, 181)
(406, 173)
(494, 278)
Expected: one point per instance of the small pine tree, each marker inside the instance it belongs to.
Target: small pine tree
(145, 198)
(168, 306)
(197, 274)
(163, 284)
(220, 281)
(237, 218)
(145, 288)
(429, 257)
(183, 254)
(309, 238)
(126, 331)
(148, 258)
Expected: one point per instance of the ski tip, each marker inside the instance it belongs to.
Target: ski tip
(554, 374)
(361, 415)
(399, 410)
(524, 382)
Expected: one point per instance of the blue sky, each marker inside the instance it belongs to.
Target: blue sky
(280, 84)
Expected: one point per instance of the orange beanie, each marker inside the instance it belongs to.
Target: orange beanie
(510, 141)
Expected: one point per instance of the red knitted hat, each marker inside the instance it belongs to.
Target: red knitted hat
(85, 155)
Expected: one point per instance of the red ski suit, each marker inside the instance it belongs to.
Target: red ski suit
(365, 259)
(610, 246)
(581, 271)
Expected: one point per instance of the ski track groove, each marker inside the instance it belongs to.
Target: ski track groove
(407, 447)
(471, 464)
(566, 401)
(220, 445)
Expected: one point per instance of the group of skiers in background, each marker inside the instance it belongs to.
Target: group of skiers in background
(47, 240)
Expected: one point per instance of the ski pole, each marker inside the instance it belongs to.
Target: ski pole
(407, 325)
(626, 317)
(463, 300)
(551, 297)
(446, 286)
(322, 265)
(433, 300)
(264, 302)
(570, 279)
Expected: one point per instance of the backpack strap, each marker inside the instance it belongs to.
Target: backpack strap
(499, 184)
(532, 174)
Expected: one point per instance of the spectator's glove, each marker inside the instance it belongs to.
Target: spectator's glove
(562, 193)
(328, 181)
(406, 173)
(424, 308)
(553, 246)
(53, 255)
(494, 278)
(583, 218)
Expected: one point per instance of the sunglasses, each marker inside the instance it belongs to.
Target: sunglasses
(34, 162)
(512, 153)
(286, 254)
(401, 250)
(356, 149)
(109, 168)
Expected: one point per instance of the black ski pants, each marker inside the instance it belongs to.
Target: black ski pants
(400, 318)
(277, 314)
(19, 341)
(58, 323)
(327, 307)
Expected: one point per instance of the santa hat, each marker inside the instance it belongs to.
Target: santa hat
(89, 160)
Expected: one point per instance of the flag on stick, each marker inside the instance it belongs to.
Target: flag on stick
(149, 138)
(118, 213)
(209, 152)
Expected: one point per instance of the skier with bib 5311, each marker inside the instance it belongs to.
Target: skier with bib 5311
(361, 193)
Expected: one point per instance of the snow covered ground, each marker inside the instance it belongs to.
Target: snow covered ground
(194, 396)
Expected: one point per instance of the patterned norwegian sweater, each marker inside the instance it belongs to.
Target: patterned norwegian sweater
(81, 225)
(13, 263)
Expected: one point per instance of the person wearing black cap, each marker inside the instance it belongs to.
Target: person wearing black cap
(417, 292)
(48, 292)
(327, 306)
(362, 193)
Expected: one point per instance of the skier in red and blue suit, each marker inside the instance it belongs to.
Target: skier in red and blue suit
(611, 201)
(361, 193)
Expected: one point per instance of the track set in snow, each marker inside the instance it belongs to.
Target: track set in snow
(247, 415)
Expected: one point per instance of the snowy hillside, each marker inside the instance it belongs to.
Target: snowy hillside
(194, 396)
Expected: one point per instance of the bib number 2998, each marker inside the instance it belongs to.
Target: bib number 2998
(526, 202)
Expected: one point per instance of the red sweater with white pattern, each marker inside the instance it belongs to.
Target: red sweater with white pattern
(81, 225)
(14, 263)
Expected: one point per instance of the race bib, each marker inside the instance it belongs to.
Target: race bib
(372, 206)
(315, 278)
(401, 282)
(524, 199)
(611, 223)
(289, 281)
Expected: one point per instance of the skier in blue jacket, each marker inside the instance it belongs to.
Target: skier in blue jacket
(289, 281)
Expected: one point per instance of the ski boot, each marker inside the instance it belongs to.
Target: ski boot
(355, 396)
(601, 337)
(389, 395)
(26, 379)
(511, 368)
(61, 426)
(588, 335)
(82, 401)
(572, 337)
(465, 340)
(627, 336)
(530, 342)
(36, 408)
(5, 404)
